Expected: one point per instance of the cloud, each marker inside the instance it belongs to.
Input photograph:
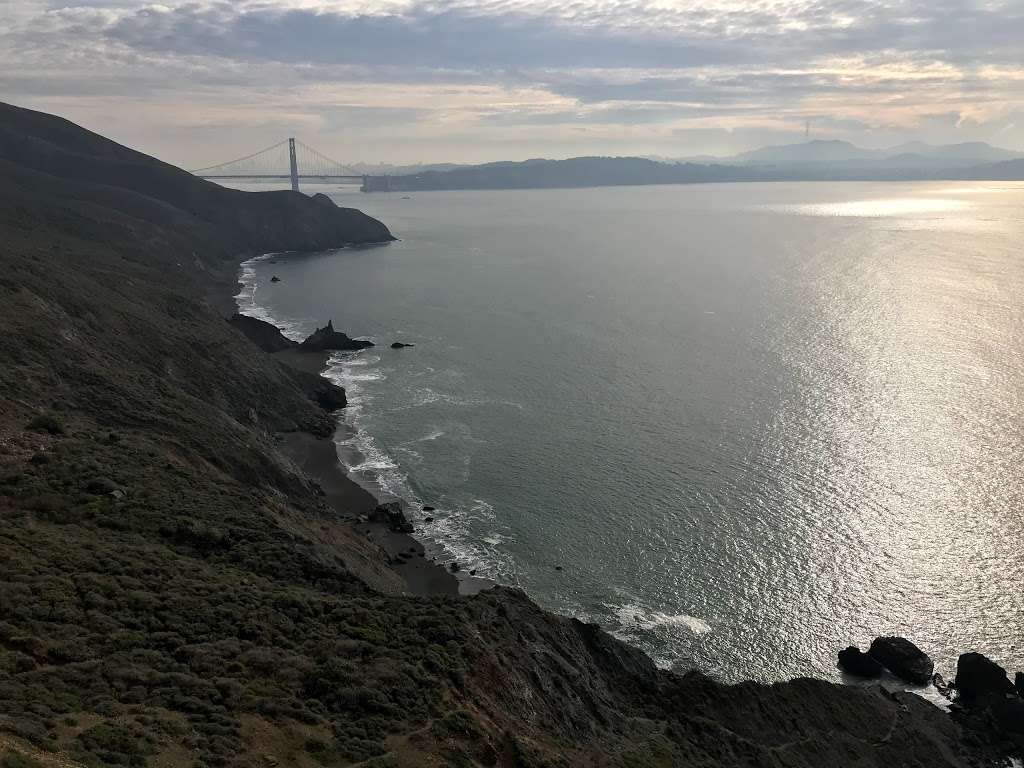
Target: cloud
(505, 72)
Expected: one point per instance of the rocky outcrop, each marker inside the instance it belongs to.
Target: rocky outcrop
(324, 393)
(903, 659)
(989, 707)
(327, 339)
(977, 676)
(854, 661)
(264, 335)
(400, 345)
(392, 515)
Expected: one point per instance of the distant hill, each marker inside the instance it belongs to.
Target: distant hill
(818, 151)
(573, 172)
(811, 161)
(1009, 170)
(968, 151)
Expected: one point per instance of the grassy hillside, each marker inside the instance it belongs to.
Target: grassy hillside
(174, 592)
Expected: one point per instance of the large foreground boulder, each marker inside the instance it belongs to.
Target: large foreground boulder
(854, 661)
(327, 339)
(977, 676)
(903, 659)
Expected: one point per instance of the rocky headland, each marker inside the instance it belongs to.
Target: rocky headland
(189, 580)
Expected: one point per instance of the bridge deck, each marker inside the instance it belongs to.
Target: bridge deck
(282, 176)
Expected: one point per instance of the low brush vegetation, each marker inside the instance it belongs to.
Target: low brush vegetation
(159, 604)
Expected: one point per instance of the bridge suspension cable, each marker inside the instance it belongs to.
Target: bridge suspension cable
(275, 161)
(239, 161)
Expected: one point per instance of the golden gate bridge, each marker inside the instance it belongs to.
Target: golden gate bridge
(291, 159)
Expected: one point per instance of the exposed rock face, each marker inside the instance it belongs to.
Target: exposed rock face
(903, 659)
(264, 335)
(327, 339)
(856, 662)
(991, 708)
(391, 513)
(400, 345)
(978, 676)
(324, 393)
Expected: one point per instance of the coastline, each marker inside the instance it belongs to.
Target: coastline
(180, 593)
(352, 501)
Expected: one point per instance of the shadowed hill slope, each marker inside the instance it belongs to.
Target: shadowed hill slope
(174, 592)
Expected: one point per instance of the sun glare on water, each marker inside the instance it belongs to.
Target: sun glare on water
(886, 207)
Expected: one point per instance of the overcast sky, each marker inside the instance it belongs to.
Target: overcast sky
(404, 81)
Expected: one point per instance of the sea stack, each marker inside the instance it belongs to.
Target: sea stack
(327, 339)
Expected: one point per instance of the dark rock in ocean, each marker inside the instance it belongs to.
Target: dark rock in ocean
(327, 339)
(473, 572)
(977, 676)
(903, 659)
(264, 335)
(400, 345)
(858, 663)
(428, 508)
(428, 519)
(454, 567)
(275, 279)
(1018, 683)
(558, 567)
(392, 515)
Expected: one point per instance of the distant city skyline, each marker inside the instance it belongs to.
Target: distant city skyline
(408, 81)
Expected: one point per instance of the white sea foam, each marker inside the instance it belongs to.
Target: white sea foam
(456, 522)
(632, 616)
(294, 328)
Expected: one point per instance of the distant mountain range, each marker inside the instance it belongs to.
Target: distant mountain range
(844, 153)
(817, 160)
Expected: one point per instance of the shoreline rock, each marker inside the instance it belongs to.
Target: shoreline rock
(903, 659)
(264, 335)
(854, 661)
(391, 514)
(977, 676)
(327, 339)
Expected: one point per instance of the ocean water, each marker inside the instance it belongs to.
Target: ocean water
(751, 424)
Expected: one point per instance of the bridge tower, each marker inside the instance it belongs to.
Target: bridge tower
(294, 165)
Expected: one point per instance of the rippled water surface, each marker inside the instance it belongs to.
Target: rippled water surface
(752, 423)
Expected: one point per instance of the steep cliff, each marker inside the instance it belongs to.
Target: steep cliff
(174, 591)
